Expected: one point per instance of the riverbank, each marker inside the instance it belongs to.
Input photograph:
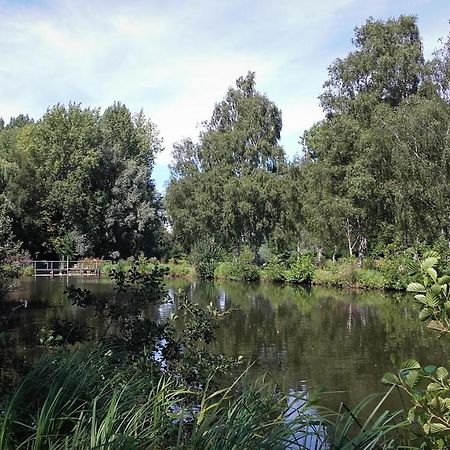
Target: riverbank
(379, 274)
(370, 274)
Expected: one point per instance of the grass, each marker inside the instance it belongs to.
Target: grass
(346, 272)
(93, 400)
(175, 268)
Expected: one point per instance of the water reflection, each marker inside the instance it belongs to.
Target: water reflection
(304, 338)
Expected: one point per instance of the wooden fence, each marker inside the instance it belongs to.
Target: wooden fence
(44, 268)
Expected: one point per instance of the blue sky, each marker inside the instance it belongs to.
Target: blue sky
(176, 58)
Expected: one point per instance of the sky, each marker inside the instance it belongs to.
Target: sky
(176, 58)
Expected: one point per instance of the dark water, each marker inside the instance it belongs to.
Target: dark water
(304, 338)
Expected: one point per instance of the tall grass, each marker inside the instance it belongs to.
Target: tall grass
(92, 400)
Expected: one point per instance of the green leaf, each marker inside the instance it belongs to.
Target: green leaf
(412, 378)
(432, 273)
(390, 378)
(425, 314)
(430, 369)
(436, 288)
(410, 364)
(431, 300)
(437, 427)
(439, 404)
(420, 298)
(441, 373)
(428, 263)
(445, 279)
(416, 287)
(435, 387)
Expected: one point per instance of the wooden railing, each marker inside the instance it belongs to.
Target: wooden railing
(45, 268)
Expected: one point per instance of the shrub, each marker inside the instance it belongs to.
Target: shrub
(179, 269)
(205, 256)
(239, 268)
(428, 388)
(395, 269)
(302, 270)
(274, 271)
(370, 279)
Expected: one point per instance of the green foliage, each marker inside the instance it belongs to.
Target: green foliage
(392, 272)
(302, 270)
(95, 399)
(375, 171)
(239, 268)
(174, 268)
(9, 251)
(159, 345)
(231, 186)
(343, 272)
(274, 270)
(205, 256)
(433, 295)
(92, 193)
(428, 389)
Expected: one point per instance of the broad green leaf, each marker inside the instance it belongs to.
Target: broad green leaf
(439, 404)
(430, 369)
(432, 273)
(390, 378)
(425, 314)
(436, 288)
(445, 279)
(412, 378)
(428, 263)
(410, 364)
(420, 298)
(435, 387)
(431, 254)
(431, 300)
(416, 287)
(441, 373)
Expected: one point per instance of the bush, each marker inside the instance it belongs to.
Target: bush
(205, 256)
(395, 269)
(239, 268)
(179, 269)
(274, 271)
(302, 270)
(370, 279)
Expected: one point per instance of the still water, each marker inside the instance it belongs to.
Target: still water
(304, 339)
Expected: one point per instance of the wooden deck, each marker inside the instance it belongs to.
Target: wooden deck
(66, 268)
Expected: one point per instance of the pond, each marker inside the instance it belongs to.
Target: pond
(340, 341)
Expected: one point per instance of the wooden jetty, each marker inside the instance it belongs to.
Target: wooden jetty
(66, 268)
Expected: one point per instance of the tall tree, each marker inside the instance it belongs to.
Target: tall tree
(229, 186)
(81, 181)
(350, 180)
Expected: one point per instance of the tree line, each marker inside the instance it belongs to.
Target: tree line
(373, 173)
(78, 182)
